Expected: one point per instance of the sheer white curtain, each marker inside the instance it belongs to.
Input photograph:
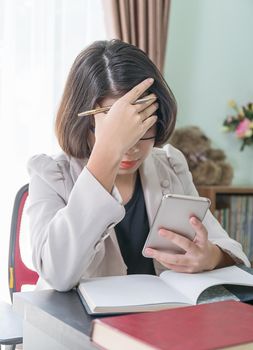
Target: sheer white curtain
(39, 40)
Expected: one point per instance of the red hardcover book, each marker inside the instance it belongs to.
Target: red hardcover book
(219, 325)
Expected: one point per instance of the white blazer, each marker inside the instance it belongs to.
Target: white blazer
(72, 216)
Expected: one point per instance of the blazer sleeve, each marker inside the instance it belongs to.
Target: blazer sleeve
(216, 234)
(65, 232)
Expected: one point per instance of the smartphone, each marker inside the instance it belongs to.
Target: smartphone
(173, 214)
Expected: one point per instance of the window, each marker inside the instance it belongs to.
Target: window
(38, 43)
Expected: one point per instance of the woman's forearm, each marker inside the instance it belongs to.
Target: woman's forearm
(103, 164)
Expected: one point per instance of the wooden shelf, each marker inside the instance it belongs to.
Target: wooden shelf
(233, 207)
(211, 192)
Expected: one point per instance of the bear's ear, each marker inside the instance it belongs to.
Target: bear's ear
(204, 138)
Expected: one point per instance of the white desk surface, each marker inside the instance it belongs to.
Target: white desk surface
(60, 316)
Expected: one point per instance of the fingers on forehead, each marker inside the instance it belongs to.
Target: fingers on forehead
(138, 90)
(140, 107)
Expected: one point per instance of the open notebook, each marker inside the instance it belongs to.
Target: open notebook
(134, 293)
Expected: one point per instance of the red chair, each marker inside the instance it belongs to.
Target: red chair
(19, 273)
(11, 332)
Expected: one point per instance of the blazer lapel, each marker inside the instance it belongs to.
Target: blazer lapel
(151, 187)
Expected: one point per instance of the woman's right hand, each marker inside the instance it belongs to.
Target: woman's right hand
(125, 123)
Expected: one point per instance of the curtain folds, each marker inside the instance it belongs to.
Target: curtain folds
(143, 23)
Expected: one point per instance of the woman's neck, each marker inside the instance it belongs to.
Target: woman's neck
(126, 184)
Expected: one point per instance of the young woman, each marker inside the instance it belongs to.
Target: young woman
(91, 206)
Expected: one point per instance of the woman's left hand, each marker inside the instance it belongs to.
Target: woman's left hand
(200, 254)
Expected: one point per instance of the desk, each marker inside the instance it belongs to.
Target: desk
(53, 321)
(58, 321)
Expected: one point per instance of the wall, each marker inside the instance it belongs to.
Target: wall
(209, 62)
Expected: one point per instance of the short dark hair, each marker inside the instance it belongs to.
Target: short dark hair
(108, 69)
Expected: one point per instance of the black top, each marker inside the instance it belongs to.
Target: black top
(132, 232)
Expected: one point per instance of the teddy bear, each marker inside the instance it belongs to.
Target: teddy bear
(207, 165)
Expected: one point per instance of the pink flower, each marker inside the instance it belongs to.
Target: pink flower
(243, 128)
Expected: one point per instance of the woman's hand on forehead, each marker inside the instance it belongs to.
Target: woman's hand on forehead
(126, 123)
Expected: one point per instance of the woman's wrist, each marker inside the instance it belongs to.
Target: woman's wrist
(107, 150)
(221, 258)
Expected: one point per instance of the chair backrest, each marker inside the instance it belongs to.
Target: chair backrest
(19, 273)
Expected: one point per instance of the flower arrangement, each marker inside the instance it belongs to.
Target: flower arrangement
(241, 123)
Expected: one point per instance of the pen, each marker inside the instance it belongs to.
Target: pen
(106, 108)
